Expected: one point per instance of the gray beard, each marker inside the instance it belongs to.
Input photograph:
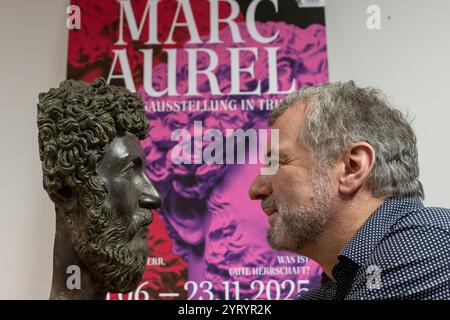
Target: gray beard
(296, 225)
(116, 262)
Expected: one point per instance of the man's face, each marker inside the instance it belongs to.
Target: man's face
(116, 249)
(297, 198)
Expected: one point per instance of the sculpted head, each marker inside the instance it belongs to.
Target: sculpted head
(94, 171)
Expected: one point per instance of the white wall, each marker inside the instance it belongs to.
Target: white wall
(33, 53)
(409, 59)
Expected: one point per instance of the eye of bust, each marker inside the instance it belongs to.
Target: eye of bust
(135, 163)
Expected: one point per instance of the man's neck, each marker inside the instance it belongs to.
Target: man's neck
(347, 218)
(68, 270)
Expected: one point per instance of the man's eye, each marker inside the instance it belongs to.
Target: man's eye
(268, 162)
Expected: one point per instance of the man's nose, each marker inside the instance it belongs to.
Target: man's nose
(150, 198)
(260, 188)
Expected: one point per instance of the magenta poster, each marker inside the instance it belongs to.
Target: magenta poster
(209, 72)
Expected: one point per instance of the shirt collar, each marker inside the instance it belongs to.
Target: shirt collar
(377, 226)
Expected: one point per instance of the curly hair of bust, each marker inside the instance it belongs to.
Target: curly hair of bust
(76, 122)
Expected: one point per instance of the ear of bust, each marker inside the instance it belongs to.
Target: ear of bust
(357, 164)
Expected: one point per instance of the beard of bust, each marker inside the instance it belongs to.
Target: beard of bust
(108, 248)
(297, 225)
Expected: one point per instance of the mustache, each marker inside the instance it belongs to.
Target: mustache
(269, 203)
(142, 219)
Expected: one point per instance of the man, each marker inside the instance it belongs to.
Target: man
(94, 171)
(347, 195)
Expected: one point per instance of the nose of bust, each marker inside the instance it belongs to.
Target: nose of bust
(150, 198)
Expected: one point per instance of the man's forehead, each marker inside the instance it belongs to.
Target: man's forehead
(290, 124)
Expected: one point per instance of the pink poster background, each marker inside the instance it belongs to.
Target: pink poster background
(208, 240)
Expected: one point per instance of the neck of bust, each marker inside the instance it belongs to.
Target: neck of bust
(71, 279)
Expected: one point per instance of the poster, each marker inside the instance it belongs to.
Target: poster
(209, 73)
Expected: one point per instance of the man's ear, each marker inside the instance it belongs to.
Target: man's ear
(357, 164)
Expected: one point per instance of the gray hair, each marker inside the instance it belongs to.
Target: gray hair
(342, 114)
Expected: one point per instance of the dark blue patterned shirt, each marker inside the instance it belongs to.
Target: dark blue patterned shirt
(401, 252)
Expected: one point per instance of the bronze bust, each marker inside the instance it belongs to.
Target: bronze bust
(94, 171)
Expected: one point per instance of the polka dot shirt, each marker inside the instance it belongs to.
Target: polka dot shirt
(401, 252)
